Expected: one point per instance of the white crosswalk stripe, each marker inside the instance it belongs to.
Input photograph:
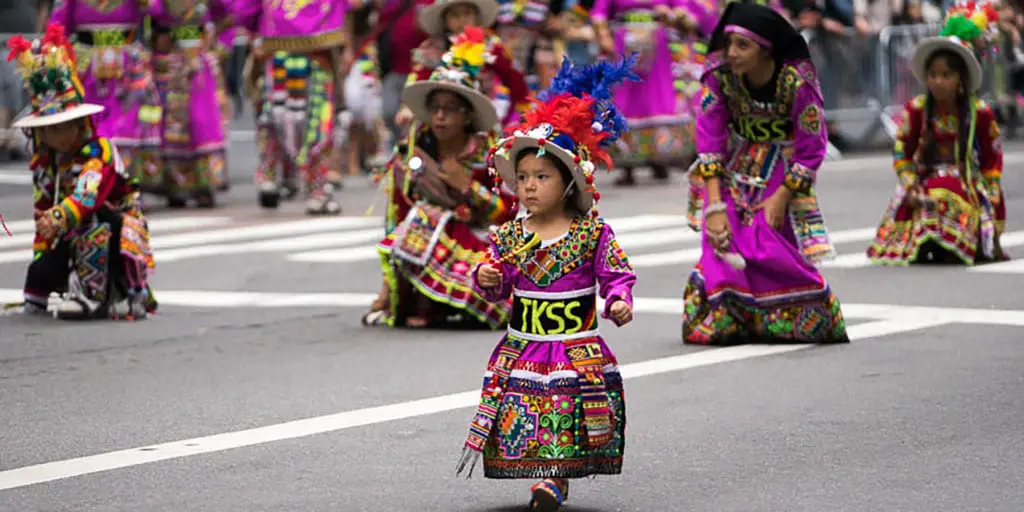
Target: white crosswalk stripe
(651, 241)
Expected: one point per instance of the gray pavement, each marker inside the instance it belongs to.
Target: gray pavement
(198, 408)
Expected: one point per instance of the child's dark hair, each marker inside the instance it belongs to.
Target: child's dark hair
(957, 64)
(571, 204)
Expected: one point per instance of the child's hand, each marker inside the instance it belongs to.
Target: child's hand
(488, 276)
(621, 312)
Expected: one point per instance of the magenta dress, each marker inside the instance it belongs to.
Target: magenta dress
(114, 68)
(778, 139)
(659, 129)
(689, 55)
(194, 139)
(552, 404)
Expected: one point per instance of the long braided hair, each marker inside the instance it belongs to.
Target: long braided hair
(963, 98)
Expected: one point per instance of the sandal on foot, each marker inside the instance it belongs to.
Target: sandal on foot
(547, 497)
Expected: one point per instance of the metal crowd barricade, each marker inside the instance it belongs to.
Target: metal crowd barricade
(898, 84)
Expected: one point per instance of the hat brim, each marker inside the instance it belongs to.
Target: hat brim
(924, 50)
(506, 167)
(431, 18)
(78, 111)
(414, 96)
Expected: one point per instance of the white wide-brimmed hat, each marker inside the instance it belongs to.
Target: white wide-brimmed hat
(431, 18)
(965, 32)
(37, 120)
(457, 73)
(927, 47)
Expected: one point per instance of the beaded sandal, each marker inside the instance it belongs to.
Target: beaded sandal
(548, 496)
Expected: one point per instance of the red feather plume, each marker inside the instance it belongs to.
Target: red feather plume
(17, 45)
(571, 116)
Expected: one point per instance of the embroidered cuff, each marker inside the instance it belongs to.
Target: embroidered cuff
(710, 166)
(993, 175)
(64, 216)
(906, 172)
(799, 178)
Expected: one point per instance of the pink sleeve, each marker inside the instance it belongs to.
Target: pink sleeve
(712, 130)
(61, 13)
(810, 137)
(508, 272)
(704, 12)
(615, 275)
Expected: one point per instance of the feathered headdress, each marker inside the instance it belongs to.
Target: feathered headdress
(973, 23)
(47, 66)
(967, 32)
(457, 73)
(576, 120)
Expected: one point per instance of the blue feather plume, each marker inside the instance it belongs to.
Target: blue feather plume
(596, 81)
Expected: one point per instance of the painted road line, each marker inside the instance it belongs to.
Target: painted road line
(646, 305)
(60, 470)
(876, 163)
(626, 238)
(24, 232)
(335, 240)
(343, 238)
(367, 253)
(691, 255)
(16, 177)
(860, 259)
(1005, 267)
(264, 231)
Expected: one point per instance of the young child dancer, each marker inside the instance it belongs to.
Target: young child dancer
(948, 206)
(552, 405)
(91, 240)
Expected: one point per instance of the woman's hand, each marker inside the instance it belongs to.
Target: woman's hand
(917, 197)
(488, 276)
(403, 117)
(716, 226)
(455, 175)
(775, 207)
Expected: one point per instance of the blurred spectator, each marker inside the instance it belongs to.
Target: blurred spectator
(827, 23)
(398, 35)
(16, 17)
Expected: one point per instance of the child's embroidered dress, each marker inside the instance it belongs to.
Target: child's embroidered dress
(435, 234)
(964, 212)
(552, 404)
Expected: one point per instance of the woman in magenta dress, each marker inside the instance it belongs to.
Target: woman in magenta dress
(114, 67)
(194, 142)
(659, 129)
(760, 141)
(552, 406)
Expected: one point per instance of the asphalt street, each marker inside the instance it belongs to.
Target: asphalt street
(256, 388)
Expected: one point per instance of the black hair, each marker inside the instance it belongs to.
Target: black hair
(957, 64)
(571, 203)
(471, 127)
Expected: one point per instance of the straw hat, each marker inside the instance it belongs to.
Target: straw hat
(431, 18)
(457, 73)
